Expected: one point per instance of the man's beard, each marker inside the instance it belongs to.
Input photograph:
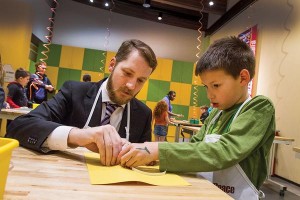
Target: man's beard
(112, 92)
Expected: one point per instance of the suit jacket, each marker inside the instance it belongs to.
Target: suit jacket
(71, 106)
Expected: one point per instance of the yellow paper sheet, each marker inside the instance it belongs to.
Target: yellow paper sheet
(100, 174)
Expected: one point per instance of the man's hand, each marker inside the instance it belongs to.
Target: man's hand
(102, 139)
(138, 154)
(180, 115)
(49, 88)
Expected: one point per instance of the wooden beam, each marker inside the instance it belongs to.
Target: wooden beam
(229, 15)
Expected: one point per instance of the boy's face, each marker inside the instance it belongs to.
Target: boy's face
(223, 90)
(23, 80)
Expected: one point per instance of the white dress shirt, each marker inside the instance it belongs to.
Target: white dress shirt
(58, 139)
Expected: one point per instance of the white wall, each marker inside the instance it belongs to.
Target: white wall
(278, 75)
(86, 26)
(76, 25)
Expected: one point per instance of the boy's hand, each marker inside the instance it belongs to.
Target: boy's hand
(136, 154)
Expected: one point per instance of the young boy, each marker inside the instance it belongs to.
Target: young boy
(16, 90)
(236, 138)
(204, 113)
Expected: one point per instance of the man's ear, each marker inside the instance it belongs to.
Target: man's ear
(112, 64)
(245, 77)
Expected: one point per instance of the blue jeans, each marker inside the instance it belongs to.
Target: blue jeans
(160, 130)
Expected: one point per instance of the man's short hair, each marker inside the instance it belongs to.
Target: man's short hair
(144, 50)
(38, 64)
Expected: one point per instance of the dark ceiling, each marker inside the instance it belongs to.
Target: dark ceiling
(180, 13)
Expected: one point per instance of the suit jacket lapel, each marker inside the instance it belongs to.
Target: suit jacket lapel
(88, 104)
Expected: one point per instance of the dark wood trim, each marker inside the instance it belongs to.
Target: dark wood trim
(229, 15)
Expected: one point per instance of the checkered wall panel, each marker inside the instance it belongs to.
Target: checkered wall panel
(71, 63)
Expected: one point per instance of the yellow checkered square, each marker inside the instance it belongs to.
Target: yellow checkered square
(163, 70)
(95, 76)
(71, 57)
(183, 93)
(52, 73)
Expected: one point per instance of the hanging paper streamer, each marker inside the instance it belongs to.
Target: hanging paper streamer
(284, 52)
(50, 29)
(106, 42)
(195, 93)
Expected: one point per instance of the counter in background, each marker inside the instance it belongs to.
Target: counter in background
(297, 151)
(179, 124)
(10, 114)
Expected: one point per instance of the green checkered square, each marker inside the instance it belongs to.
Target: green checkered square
(67, 74)
(53, 54)
(199, 93)
(157, 90)
(94, 60)
(182, 72)
(179, 109)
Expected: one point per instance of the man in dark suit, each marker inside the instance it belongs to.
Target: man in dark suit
(72, 117)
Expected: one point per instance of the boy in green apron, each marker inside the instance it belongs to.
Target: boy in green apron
(235, 141)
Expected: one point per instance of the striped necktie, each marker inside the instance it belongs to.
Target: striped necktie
(110, 108)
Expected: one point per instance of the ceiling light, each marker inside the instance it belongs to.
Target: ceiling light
(159, 16)
(106, 4)
(92, 1)
(211, 3)
(146, 3)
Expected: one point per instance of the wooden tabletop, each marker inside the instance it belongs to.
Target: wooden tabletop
(64, 176)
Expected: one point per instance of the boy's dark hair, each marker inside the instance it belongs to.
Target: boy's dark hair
(86, 78)
(144, 50)
(21, 73)
(229, 54)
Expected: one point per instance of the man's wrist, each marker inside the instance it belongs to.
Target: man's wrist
(73, 138)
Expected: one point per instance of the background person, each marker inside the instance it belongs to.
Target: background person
(72, 117)
(161, 121)
(39, 84)
(235, 140)
(86, 78)
(204, 113)
(16, 96)
(3, 103)
(168, 98)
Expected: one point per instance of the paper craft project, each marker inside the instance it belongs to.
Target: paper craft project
(100, 174)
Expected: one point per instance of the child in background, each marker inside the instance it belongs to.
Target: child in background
(3, 103)
(161, 121)
(16, 90)
(204, 113)
(234, 142)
